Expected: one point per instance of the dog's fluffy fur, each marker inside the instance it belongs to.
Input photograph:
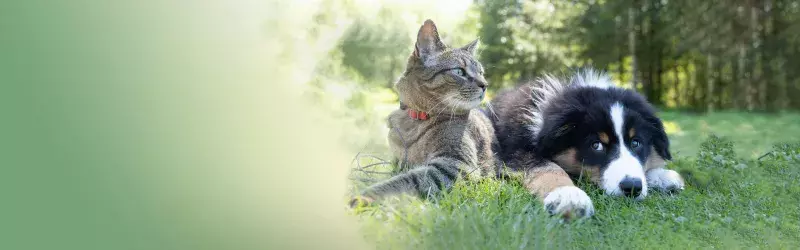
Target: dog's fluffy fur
(556, 128)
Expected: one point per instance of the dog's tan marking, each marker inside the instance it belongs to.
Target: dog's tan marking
(591, 172)
(654, 160)
(542, 180)
(603, 137)
(568, 160)
(631, 132)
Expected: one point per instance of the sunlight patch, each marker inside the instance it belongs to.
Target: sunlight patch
(672, 128)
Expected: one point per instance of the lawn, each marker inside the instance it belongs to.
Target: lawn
(732, 200)
(753, 134)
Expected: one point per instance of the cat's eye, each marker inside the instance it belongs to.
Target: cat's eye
(635, 144)
(460, 72)
(597, 146)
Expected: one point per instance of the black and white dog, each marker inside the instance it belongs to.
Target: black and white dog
(553, 129)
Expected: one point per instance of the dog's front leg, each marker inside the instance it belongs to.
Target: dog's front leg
(560, 196)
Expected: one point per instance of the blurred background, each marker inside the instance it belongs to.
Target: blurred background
(232, 124)
(725, 67)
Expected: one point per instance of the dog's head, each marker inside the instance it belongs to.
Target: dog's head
(608, 133)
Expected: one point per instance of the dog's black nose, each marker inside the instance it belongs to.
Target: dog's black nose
(631, 186)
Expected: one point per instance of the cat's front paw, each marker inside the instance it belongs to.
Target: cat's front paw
(664, 180)
(360, 201)
(569, 202)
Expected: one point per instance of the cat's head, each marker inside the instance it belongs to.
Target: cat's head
(439, 79)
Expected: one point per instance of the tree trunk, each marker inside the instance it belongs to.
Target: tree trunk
(686, 96)
(757, 72)
(645, 53)
(720, 86)
(741, 86)
(621, 64)
(776, 74)
(740, 92)
(655, 50)
(676, 82)
(619, 36)
(691, 93)
(659, 88)
(709, 97)
(632, 42)
(752, 88)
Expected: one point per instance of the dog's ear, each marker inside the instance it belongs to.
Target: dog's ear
(660, 140)
(556, 131)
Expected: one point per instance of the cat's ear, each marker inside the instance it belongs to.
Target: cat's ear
(428, 41)
(472, 47)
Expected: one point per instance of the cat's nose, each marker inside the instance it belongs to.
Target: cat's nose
(481, 84)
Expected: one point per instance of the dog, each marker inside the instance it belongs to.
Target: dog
(557, 129)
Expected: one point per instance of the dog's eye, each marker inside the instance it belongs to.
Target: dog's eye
(460, 72)
(597, 146)
(635, 144)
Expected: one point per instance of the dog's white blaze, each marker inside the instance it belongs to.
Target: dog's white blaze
(625, 164)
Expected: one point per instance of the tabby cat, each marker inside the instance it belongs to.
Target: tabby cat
(438, 130)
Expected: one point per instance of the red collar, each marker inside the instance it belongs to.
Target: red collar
(416, 115)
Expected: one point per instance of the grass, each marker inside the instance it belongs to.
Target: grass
(730, 201)
(753, 134)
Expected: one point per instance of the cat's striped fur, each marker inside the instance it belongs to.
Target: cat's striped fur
(457, 141)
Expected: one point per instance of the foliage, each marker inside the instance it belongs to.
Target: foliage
(523, 39)
(701, 55)
(377, 49)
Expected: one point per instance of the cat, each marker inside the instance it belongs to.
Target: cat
(438, 131)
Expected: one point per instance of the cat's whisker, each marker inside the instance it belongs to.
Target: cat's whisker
(490, 109)
(442, 104)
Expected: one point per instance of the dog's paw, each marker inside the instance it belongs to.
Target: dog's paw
(570, 202)
(360, 201)
(664, 180)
